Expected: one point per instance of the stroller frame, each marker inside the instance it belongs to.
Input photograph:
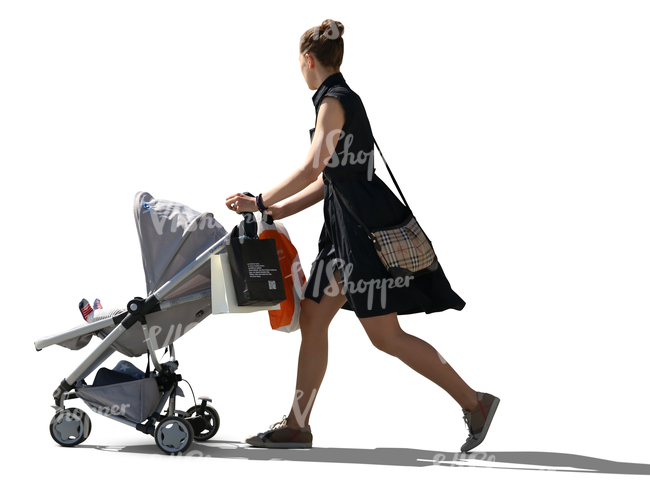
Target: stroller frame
(176, 429)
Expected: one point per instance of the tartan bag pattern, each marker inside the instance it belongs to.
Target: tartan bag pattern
(404, 247)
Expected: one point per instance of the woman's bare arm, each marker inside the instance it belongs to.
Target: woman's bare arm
(309, 196)
(329, 123)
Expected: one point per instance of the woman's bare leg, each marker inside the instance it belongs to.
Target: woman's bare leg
(386, 334)
(315, 319)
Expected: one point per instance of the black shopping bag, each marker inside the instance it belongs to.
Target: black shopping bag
(255, 268)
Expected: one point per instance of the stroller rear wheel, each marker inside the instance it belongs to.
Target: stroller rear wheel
(174, 435)
(212, 422)
(70, 427)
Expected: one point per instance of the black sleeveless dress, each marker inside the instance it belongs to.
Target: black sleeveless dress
(343, 243)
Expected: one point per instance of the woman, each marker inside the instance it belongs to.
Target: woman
(347, 272)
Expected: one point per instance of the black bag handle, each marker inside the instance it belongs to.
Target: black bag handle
(249, 222)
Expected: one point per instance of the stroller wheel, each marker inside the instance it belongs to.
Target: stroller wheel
(70, 427)
(174, 435)
(212, 422)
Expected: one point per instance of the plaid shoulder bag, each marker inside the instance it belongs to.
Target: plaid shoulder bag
(404, 249)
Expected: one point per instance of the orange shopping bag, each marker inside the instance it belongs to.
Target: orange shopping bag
(287, 318)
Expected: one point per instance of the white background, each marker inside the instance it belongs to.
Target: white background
(519, 134)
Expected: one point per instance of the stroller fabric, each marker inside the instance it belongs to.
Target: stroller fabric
(134, 400)
(171, 235)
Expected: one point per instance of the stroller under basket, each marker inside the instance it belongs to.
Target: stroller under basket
(177, 243)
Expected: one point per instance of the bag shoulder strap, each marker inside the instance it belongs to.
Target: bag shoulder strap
(351, 210)
(391, 175)
(354, 215)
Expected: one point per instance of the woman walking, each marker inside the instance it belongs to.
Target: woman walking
(347, 272)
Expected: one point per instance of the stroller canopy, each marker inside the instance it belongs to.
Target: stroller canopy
(172, 236)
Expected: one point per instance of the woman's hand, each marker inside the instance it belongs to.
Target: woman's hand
(240, 203)
(275, 211)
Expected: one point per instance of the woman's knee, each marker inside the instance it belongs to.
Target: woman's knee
(307, 314)
(383, 334)
(385, 343)
(318, 315)
(312, 319)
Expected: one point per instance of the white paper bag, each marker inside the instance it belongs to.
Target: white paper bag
(224, 299)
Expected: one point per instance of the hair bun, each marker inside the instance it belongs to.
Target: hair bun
(325, 43)
(331, 29)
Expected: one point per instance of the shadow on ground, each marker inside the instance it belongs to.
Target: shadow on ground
(535, 461)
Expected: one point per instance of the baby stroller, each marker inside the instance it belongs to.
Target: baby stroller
(177, 243)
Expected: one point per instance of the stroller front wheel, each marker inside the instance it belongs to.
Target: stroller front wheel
(211, 419)
(70, 427)
(174, 435)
